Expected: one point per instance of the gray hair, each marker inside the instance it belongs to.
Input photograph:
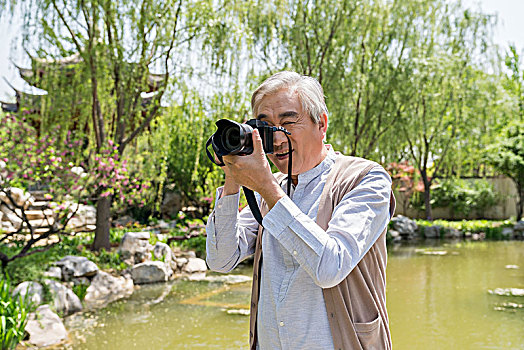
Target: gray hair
(308, 90)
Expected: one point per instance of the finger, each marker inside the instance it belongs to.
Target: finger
(258, 146)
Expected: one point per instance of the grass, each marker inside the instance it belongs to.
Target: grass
(14, 312)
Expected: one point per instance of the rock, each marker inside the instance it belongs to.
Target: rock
(76, 266)
(135, 247)
(242, 312)
(163, 252)
(54, 272)
(515, 292)
(81, 280)
(171, 203)
(196, 277)
(84, 218)
(519, 226)
(45, 328)
(19, 196)
(432, 231)
(478, 236)
(451, 232)
(180, 262)
(404, 226)
(395, 235)
(195, 265)
(150, 272)
(64, 299)
(123, 221)
(105, 289)
(507, 232)
(229, 279)
(34, 290)
(10, 217)
(435, 252)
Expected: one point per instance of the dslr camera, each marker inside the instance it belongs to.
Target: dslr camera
(235, 138)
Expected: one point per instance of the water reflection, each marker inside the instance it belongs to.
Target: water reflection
(435, 301)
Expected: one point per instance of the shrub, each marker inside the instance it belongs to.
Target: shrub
(13, 315)
(461, 196)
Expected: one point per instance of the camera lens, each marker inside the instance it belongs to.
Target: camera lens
(231, 138)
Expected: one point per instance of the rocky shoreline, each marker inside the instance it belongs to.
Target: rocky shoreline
(404, 229)
(147, 264)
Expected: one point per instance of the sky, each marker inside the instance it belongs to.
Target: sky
(510, 29)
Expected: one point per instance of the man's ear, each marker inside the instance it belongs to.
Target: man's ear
(323, 124)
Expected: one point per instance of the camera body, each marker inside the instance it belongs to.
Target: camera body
(236, 138)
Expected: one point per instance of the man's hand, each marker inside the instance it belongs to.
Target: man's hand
(252, 171)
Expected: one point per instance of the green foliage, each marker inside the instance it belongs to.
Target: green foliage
(492, 229)
(462, 196)
(80, 290)
(13, 315)
(507, 156)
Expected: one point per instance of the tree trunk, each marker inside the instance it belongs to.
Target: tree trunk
(427, 195)
(520, 205)
(103, 208)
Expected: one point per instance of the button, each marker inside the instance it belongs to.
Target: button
(281, 324)
(219, 206)
(295, 253)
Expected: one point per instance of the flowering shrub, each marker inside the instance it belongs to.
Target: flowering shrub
(405, 180)
(62, 168)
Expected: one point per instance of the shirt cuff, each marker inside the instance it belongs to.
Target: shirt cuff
(281, 216)
(227, 205)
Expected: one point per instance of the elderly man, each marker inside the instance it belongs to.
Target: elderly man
(320, 257)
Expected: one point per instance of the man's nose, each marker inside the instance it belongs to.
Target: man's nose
(279, 139)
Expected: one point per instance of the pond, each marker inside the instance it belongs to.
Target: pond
(438, 298)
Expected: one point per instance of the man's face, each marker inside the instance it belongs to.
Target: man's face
(284, 109)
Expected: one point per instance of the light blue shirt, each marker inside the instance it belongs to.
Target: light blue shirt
(299, 257)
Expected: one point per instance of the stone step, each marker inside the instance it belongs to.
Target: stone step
(39, 205)
(42, 222)
(38, 214)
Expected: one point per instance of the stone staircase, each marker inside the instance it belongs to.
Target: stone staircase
(41, 216)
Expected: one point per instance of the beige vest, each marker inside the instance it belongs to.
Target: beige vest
(356, 307)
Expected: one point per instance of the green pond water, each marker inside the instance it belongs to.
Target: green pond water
(438, 298)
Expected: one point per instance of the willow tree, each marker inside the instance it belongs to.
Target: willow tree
(127, 48)
(445, 56)
(359, 51)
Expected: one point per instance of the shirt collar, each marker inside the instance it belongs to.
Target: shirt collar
(324, 165)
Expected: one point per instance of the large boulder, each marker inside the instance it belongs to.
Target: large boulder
(150, 272)
(105, 289)
(406, 227)
(45, 328)
(32, 290)
(76, 267)
(135, 247)
(65, 300)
